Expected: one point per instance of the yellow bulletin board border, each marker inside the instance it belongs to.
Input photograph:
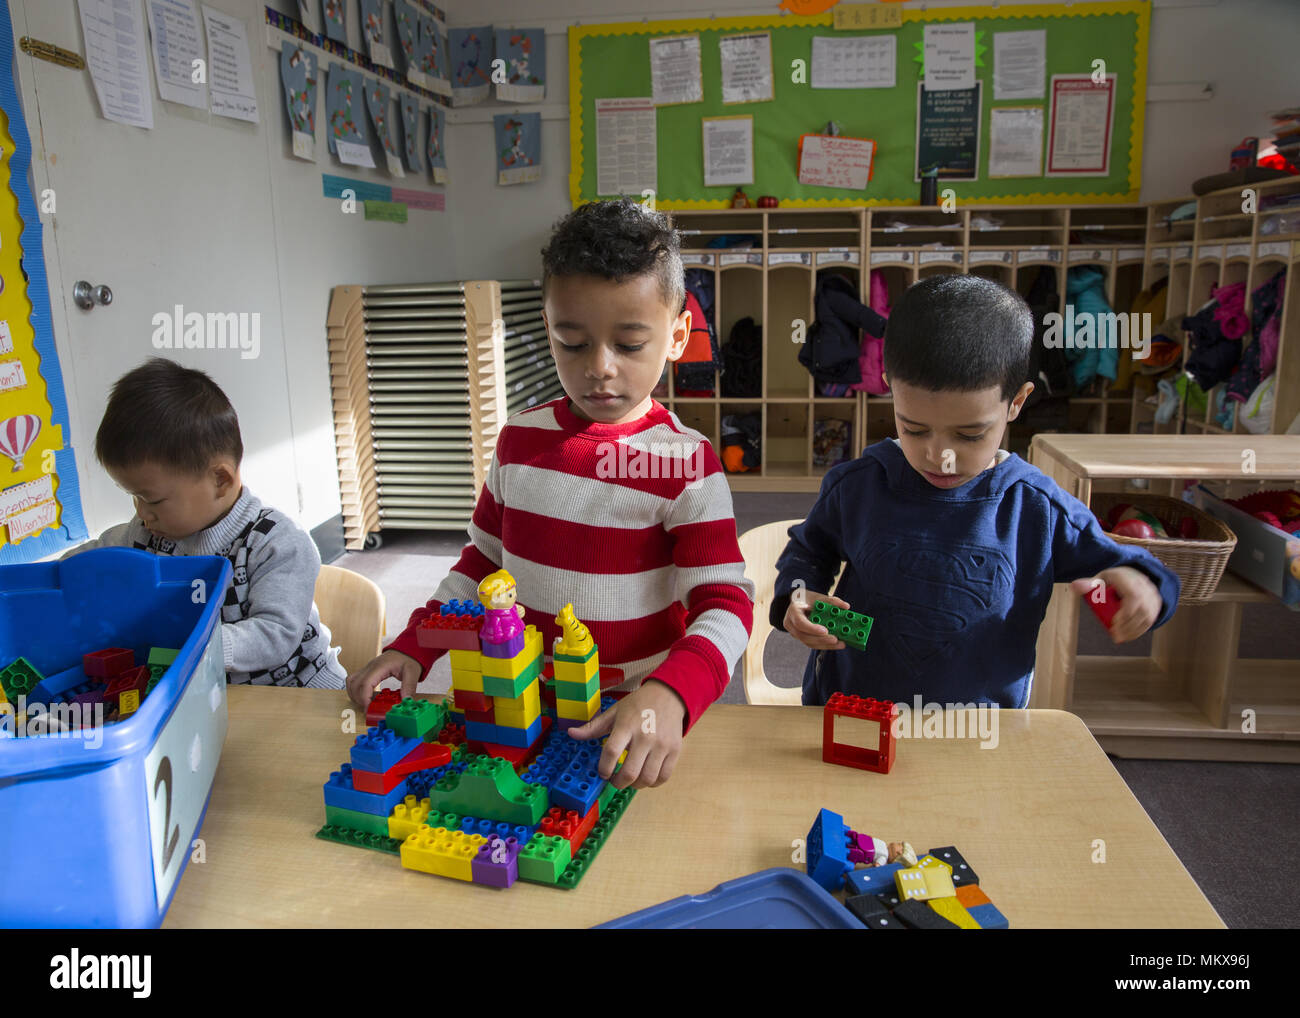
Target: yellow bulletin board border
(1027, 12)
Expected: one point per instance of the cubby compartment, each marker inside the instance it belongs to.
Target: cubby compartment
(789, 317)
(879, 420)
(832, 228)
(834, 433)
(702, 417)
(787, 439)
(752, 409)
(740, 296)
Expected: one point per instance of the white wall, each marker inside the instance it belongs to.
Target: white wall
(1245, 48)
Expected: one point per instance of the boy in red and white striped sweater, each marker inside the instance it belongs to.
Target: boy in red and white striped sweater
(604, 499)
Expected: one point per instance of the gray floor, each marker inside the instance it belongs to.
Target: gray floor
(1214, 815)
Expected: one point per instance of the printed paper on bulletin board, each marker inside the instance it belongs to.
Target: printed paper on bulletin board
(611, 61)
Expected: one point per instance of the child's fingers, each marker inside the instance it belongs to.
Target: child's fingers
(810, 635)
(595, 728)
(637, 751)
(652, 769)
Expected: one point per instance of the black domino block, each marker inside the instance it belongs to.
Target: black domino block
(871, 913)
(962, 874)
(917, 915)
(889, 899)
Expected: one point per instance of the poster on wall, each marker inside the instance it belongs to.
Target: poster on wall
(298, 77)
(336, 26)
(519, 147)
(1082, 119)
(1016, 141)
(379, 105)
(948, 132)
(345, 109)
(372, 27)
(438, 145)
(40, 500)
(470, 53)
(411, 132)
(524, 52)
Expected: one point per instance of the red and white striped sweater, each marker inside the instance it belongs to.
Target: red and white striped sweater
(633, 524)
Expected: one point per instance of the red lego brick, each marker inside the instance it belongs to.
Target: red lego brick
(521, 758)
(488, 716)
(375, 784)
(465, 701)
(568, 825)
(136, 678)
(428, 754)
(450, 632)
(611, 677)
(883, 712)
(107, 663)
(384, 701)
(452, 735)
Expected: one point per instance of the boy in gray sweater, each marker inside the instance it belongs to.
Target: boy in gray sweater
(170, 439)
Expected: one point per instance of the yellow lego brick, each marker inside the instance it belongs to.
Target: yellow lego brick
(3, 698)
(571, 671)
(511, 667)
(128, 703)
(440, 851)
(519, 712)
(466, 660)
(573, 710)
(471, 682)
(954, 911)
(407, 817)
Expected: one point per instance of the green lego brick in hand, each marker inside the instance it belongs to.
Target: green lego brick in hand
(415, 719)
(849, 626)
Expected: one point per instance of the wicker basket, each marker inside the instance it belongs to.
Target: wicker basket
(1199, 563)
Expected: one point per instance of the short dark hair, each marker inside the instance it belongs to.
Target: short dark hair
(174, 416)
(959, 333)
(617, 240)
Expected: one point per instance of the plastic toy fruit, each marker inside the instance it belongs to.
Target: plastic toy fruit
(1134, 513)
(1134, 528)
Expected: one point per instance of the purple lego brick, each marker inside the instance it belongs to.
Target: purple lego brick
(564, 724)
(90, 698)
(497, 863)
(856, 855)
(508, 649)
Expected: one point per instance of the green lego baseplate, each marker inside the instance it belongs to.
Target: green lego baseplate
(849, 626)
(359, 839)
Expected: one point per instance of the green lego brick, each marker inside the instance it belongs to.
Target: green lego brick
(490, 788)
(161, 656)
(544, 859)
(368, 823)
(579, 659)
(494, 685)
(580, 691)
(841, 623)
(451, 821)
(606, 794)
(591, 847)
(360, 839)
(415, 719)
(19, 678)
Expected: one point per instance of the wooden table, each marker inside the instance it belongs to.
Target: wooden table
(1027, 815)
(1186, 700)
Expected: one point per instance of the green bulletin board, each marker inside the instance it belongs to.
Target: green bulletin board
(611, 61)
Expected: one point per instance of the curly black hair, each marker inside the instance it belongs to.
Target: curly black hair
(617, 240)
(957, 333)
(170, 415)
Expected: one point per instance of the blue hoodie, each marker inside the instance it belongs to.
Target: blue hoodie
(957, 580)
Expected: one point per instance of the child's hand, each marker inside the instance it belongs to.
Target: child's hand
(797, 624)
(391, 664)
(648, 724)
(1140, 600)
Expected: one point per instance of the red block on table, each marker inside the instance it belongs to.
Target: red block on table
(568, 825)
(450, 632)
(880, 759)
(136, 678)
(464, 701)
(108, 663)
(426, 755)
(1106, 608)
(384, 701)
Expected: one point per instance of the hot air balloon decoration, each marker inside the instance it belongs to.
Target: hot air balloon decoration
(17, 435)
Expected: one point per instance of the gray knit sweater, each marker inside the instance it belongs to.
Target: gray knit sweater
(275, 563)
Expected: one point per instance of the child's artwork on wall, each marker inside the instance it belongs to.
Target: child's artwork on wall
(470, 54)
(420, 69)
(431, 56)
(437, 149)
(347, 122)
(298, 78)
(524, 53)
(372, 27)
(519, 147)
(379, 104)
(307, 15)
(408, 29)
(336, 26)
(441, 61)
(411, 132)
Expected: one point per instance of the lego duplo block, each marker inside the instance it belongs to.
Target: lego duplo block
(408, 816)
(440, 851)
(163, 656)
(452, 734)
(962, 874)
(378, 749)
(465, 660)
(465, 700)
(455, 627)
(574, 639)
(415, 719)
(586, 855)
(988, 917)
(339, 791)
(874, 879)
(953, 910)
(577, 787)
(487, 716)
(580, 691)
(827, 855)
(570, 824)
(355, 820)
(849, 626)
(917, 915)
(359, 839)
(128, 702)
(375, 784)
(520, 756)
(132, 680)
(495, 829)
(463, 679)
(510, 687)
(497, 863)
(520, 711)
(19, 678)
(882, 712)
(380, 704)
(544, 858)
(869, 911)
(107, 663)
(971, 894)
(490, 788)
(498, 649)
(576, 671)
(572, 710)
(521, 738)
(507, 667)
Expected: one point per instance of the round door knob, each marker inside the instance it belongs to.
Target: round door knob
(86, 296)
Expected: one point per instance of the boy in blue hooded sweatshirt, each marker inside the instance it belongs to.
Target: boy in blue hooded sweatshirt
(950, 543)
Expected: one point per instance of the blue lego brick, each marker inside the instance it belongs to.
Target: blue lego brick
(457, 607)
(481, 731)
(419, 783)
(577, 789)
(988, 917)
(492, 828)
(339, 792)
(874, 879)
(828, 857)
(380, 748)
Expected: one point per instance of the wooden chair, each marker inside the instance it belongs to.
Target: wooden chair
(761, 547)
(352, 609)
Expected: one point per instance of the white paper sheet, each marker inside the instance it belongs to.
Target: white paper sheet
(114, 35)
(626, 147)
(836, 162)
(746, 68)
(1019, 65)
(176, 43)
(230, 71)
(352, 153)
(950, 56)
(1016, 141)
(1080, 132)
(855, 61)
(675, 75)
(728, 150)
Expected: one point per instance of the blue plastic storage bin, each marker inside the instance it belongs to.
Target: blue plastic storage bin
(96, 827)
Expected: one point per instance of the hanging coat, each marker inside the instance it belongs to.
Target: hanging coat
(1085, 289)
(833, 343)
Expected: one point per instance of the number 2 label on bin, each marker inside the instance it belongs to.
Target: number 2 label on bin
(178, 776)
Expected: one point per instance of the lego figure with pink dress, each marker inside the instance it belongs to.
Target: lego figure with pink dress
(502, 618)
